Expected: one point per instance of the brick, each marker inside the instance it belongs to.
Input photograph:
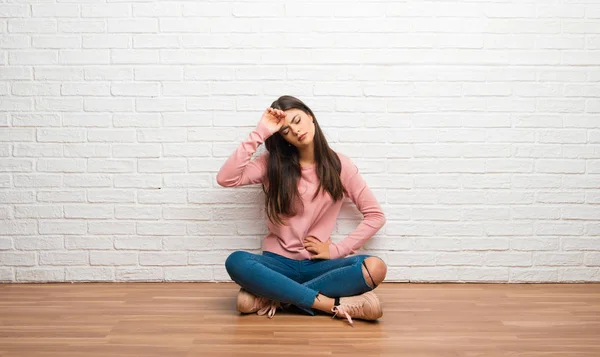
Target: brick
(162, 196)
(94, 211)
(39, 243)
(139, 274)
(35, 120)
(38, 275)
(113, 258)
(63, 227)
(138, 212)
(161, 228)
(163, 258)
(138, 243)
(87, 180)
(38, 211)
(9, 258)
(64, 258)
(138, 181)
(188, 274)
(85, 274)
(110, 196)
(187, 213)
(110, 227)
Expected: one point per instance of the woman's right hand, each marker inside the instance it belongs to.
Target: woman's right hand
(273, 119)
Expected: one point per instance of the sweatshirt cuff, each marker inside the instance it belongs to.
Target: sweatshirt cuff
(263, 132)
(334, 252)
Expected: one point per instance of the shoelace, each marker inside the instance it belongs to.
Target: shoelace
(346, 310)
(268, 307)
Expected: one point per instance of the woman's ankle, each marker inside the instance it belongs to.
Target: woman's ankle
(323, 303)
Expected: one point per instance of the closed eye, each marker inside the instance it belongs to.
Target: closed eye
(295, 120)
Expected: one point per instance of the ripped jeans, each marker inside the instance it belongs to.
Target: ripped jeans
(297, 282)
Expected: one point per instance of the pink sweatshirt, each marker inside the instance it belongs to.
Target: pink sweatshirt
(318, 217)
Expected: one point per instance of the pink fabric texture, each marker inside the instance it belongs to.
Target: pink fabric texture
(318, 217)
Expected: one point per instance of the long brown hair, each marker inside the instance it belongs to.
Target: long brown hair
(284, 170)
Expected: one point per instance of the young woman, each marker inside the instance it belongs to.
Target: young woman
(305, 182)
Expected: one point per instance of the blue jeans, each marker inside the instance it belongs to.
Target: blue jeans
(297, 282)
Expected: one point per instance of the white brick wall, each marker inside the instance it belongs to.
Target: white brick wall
(477, 125)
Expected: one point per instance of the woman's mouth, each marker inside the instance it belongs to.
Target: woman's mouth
(301, 137)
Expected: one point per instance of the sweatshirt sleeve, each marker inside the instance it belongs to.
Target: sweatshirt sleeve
(238, 169)
(365, 201)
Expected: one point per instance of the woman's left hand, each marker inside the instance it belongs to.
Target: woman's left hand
(316, 247)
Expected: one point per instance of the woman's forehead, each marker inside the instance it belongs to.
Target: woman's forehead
(292, 113)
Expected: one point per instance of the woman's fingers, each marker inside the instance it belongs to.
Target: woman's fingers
(315, 250)
(278, 113)
(314, 245)
(312, 250)
(319, 256)
(276, 116)
(311, 239)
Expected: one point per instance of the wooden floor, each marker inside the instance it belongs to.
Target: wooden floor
(199, 319)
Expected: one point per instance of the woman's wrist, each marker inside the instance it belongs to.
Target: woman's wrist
(263, 131)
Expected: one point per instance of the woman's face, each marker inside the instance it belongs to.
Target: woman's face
(298, 128)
